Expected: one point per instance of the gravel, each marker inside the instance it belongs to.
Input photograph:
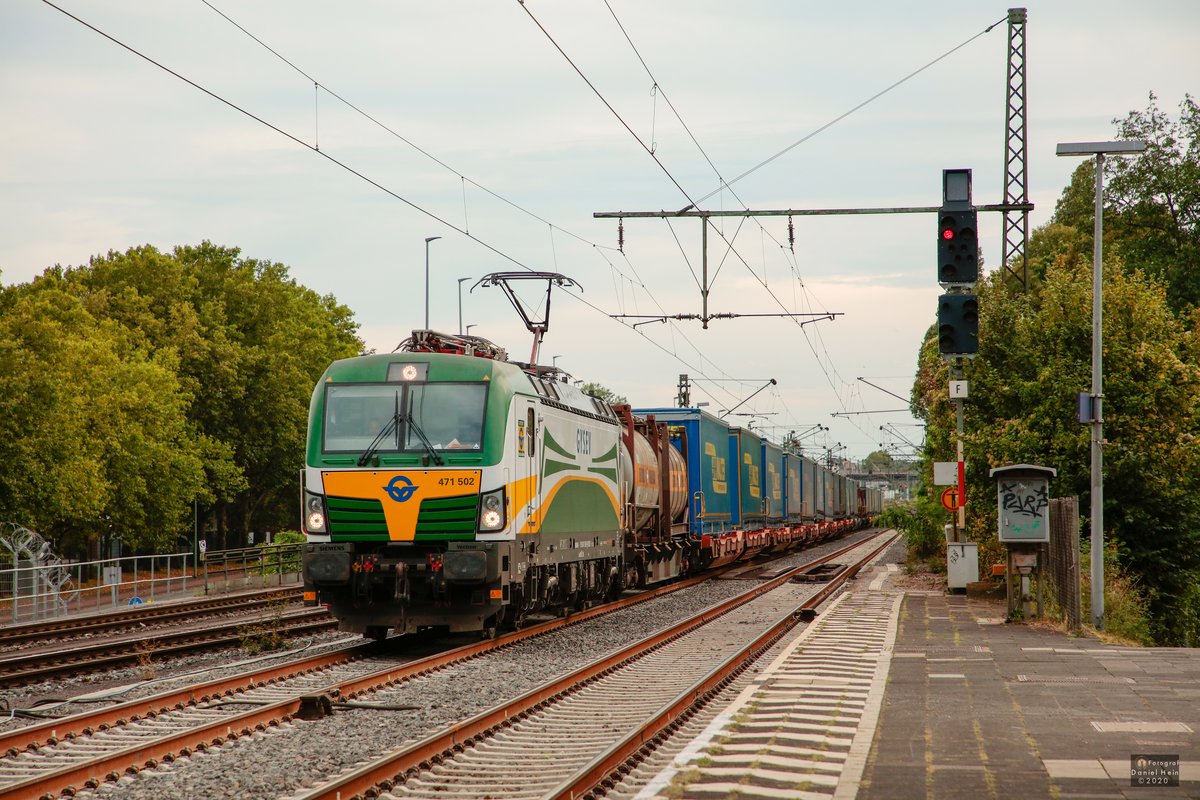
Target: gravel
(64, 696)
(283, 761)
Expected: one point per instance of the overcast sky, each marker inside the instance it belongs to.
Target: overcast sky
(103, 150)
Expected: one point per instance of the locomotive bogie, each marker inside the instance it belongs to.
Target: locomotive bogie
(405, 588)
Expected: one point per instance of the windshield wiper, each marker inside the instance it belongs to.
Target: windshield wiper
(371, 448)
(392, 425)
(421, 434)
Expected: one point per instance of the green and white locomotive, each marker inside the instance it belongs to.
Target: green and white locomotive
(446, 486)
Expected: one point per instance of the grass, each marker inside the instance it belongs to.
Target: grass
(267, 635)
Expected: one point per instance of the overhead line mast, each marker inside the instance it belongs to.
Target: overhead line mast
(1016, 162)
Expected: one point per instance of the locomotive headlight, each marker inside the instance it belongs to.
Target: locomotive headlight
(314, 513)
(491, 511)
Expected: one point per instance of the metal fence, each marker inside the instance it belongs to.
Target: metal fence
(1062, 558)
(251, 567)
(32, 589)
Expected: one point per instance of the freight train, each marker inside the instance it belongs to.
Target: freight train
(446, 486)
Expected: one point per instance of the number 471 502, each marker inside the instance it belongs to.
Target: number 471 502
(467, 481)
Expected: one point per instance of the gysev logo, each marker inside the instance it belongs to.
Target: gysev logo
(400, 489)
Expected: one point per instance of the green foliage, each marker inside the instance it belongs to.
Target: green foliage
(1151, 201)
(94, 435)
(922, 522)
(879, 461)
(283, 554)
(126, 390)
(1126, 607)
(266, 635)
(603, 393)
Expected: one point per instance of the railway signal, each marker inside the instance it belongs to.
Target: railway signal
(958, 324)
(958, 226)
(958, 247)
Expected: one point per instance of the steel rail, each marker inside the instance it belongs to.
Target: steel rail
(381, 774)
(22, 668)
(131, 759)
(31, 737)
(603, 772)
(164, 611)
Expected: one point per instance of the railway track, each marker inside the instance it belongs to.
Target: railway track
(138, 617)
(23, 668)
(570, 737)
(86, 749)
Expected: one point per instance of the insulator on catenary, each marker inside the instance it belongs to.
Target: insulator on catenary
(791, 235)
(621, 236)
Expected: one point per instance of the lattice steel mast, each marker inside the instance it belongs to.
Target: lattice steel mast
(1016, 163)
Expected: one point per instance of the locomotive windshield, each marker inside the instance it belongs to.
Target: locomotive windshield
(450, 415)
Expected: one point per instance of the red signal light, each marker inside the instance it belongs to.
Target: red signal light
(948, 233)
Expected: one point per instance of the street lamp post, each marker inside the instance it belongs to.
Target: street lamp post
(460, 283)
(1099, 150)
(468, 328)
(428, 239)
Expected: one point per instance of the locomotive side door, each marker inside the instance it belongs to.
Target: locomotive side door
(528, 458)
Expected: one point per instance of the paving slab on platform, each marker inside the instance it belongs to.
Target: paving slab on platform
(978, 709)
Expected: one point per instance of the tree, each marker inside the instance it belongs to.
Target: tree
(1152, 201)
(879, 461)
(1034, 357)
(94, 438)
(232, 346)
(604, 394)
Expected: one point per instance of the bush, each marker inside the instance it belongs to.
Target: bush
(1126, 607)
(283, 553)
(921, 522)
(288, 537)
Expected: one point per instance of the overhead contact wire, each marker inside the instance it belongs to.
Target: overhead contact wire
(463, 178)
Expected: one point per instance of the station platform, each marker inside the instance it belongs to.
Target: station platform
(976, 707)
(898, 691)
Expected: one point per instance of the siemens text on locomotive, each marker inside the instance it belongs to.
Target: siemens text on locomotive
(446, 486)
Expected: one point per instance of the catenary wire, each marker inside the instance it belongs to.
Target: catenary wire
(362, 176)
(824, 365)
(463, 178)
(673, 180)
(841, 117)
(727, 185)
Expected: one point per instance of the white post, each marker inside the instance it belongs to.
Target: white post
(460, 283)
(428, 239)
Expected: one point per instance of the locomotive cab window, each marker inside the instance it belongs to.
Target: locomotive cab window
(450, 415)
(401, 418)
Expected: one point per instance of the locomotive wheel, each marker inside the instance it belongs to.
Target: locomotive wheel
(510, 619)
